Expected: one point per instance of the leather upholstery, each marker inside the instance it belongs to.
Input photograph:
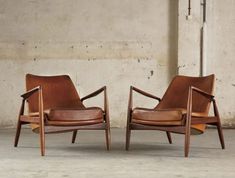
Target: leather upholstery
(58, 92)
(177, 93)
(61, 102)
(157, 117)
(64, 114)
(171, 110)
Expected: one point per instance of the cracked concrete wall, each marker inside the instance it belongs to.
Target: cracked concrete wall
(220, 45)
(221, 55)
(114, 43)
(109, 42)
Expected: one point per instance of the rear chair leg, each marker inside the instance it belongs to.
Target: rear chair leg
(17, 133)
(74, 136)
(169, 137)
(218, 124)
(221, 137)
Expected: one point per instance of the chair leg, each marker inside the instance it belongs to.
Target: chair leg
(74, 136)
(221, 137)
(187, 141)
(218, 124)
(169, 137)
(128, 137)
(17, 136)
(42, 140)
(108, 137)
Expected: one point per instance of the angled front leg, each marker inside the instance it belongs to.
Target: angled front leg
(128, 129)
(188, 124)
(41, 123)
(107, 120)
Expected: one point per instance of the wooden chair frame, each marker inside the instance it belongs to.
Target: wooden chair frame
(186, 128)
(26, 119)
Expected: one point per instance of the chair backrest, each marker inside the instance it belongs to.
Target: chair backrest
(177, 93)
(57, 91)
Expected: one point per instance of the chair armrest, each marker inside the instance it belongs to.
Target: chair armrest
(40, 103)
(95, 93)
(130, 103)
(30, 92)
(190, 100)
(207, 95)
(145, 93)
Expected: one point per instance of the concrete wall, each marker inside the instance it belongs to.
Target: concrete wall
(114, 43)
(220, 49)
(97, 42)
(221, 55)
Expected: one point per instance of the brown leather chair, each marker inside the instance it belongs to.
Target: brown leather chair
(55, 106)
(183, 109)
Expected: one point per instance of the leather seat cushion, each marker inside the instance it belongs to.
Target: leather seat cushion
(158, 117)
(72, 117)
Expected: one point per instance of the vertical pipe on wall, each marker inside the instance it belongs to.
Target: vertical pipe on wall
(204, 50)
(203, 41)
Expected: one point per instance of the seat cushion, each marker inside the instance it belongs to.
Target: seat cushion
(172, 117)
(72, 117)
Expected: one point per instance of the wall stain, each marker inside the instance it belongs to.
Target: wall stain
(181, 66)
(219, 80)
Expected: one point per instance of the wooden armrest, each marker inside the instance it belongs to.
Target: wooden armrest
(145, 93)
(95, 93)
(189, 112)
(207, 95)
(30, 92)
(130, 103)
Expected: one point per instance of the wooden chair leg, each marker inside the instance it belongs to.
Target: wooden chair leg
(17, 136)
(108, 137)
(169, 137)
(74, 136)
(128, 137)
(42, 140)
(221, 137)
(218, 124)
(187, 141)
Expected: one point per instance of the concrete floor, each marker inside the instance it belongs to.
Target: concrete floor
(150, 155)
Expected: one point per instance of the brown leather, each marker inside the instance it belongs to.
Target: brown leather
(71, 115)
(177, 94)
(61, 102)
(171, 110)
(157, 117)
(58, 92)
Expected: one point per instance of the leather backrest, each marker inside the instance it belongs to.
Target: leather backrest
(57, 91)
(176, 95)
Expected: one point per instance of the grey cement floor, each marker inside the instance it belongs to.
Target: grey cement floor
(150, 156)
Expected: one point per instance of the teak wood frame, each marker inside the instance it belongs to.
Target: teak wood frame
(185, 129)
(26, 119)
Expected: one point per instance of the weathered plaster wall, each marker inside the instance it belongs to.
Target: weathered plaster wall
(114, 43)
(220, 45)
(221, 55)
(109, 42)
